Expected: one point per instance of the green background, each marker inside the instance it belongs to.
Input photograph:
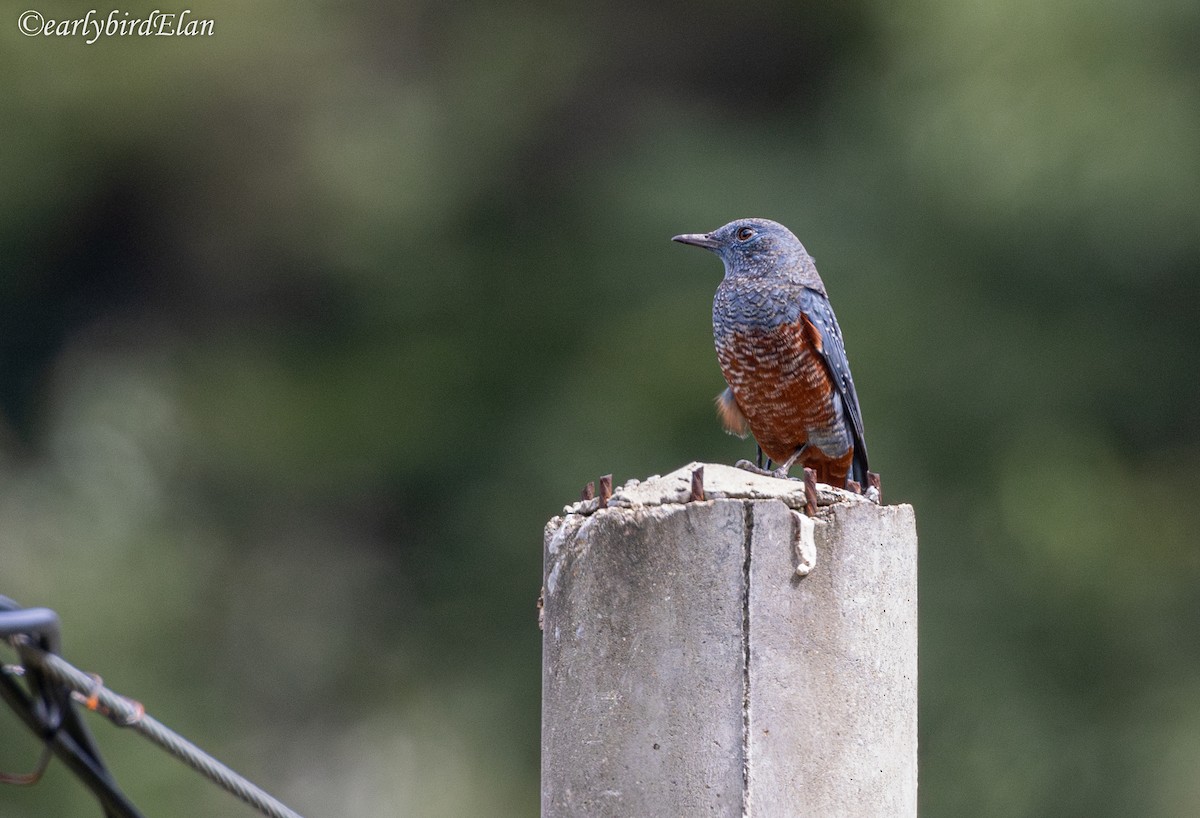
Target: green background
(307, 327)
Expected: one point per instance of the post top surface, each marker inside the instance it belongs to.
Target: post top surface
(720, 482)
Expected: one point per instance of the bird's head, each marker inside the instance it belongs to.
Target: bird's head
(755, 248)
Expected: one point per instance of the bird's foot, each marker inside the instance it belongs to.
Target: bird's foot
(780, 473)
(752, 468)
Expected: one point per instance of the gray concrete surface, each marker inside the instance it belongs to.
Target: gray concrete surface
(833, 665)
(688, 669)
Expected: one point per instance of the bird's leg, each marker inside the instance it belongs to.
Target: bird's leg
(782, 471)
(758, 458)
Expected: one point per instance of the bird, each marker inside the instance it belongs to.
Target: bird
(780, 348)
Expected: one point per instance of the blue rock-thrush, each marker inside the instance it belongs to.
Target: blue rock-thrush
(781, 353)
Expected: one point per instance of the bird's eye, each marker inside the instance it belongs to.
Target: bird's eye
(744, 233)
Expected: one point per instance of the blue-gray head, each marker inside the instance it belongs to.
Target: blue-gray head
(759, 248)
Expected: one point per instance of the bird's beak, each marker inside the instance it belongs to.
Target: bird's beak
(704, 240)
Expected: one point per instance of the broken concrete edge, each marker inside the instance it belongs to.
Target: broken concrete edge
(720, 482)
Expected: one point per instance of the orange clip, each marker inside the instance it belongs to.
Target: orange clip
(92, 702)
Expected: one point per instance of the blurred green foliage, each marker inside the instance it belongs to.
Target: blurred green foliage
(307, 327)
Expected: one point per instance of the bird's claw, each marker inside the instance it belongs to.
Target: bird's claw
(751, 467)
(779, 474)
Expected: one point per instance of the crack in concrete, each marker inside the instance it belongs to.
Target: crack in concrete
(748, 541)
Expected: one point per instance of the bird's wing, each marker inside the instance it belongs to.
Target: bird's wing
(819, 318)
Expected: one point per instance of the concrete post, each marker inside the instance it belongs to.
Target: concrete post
(688, 667)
